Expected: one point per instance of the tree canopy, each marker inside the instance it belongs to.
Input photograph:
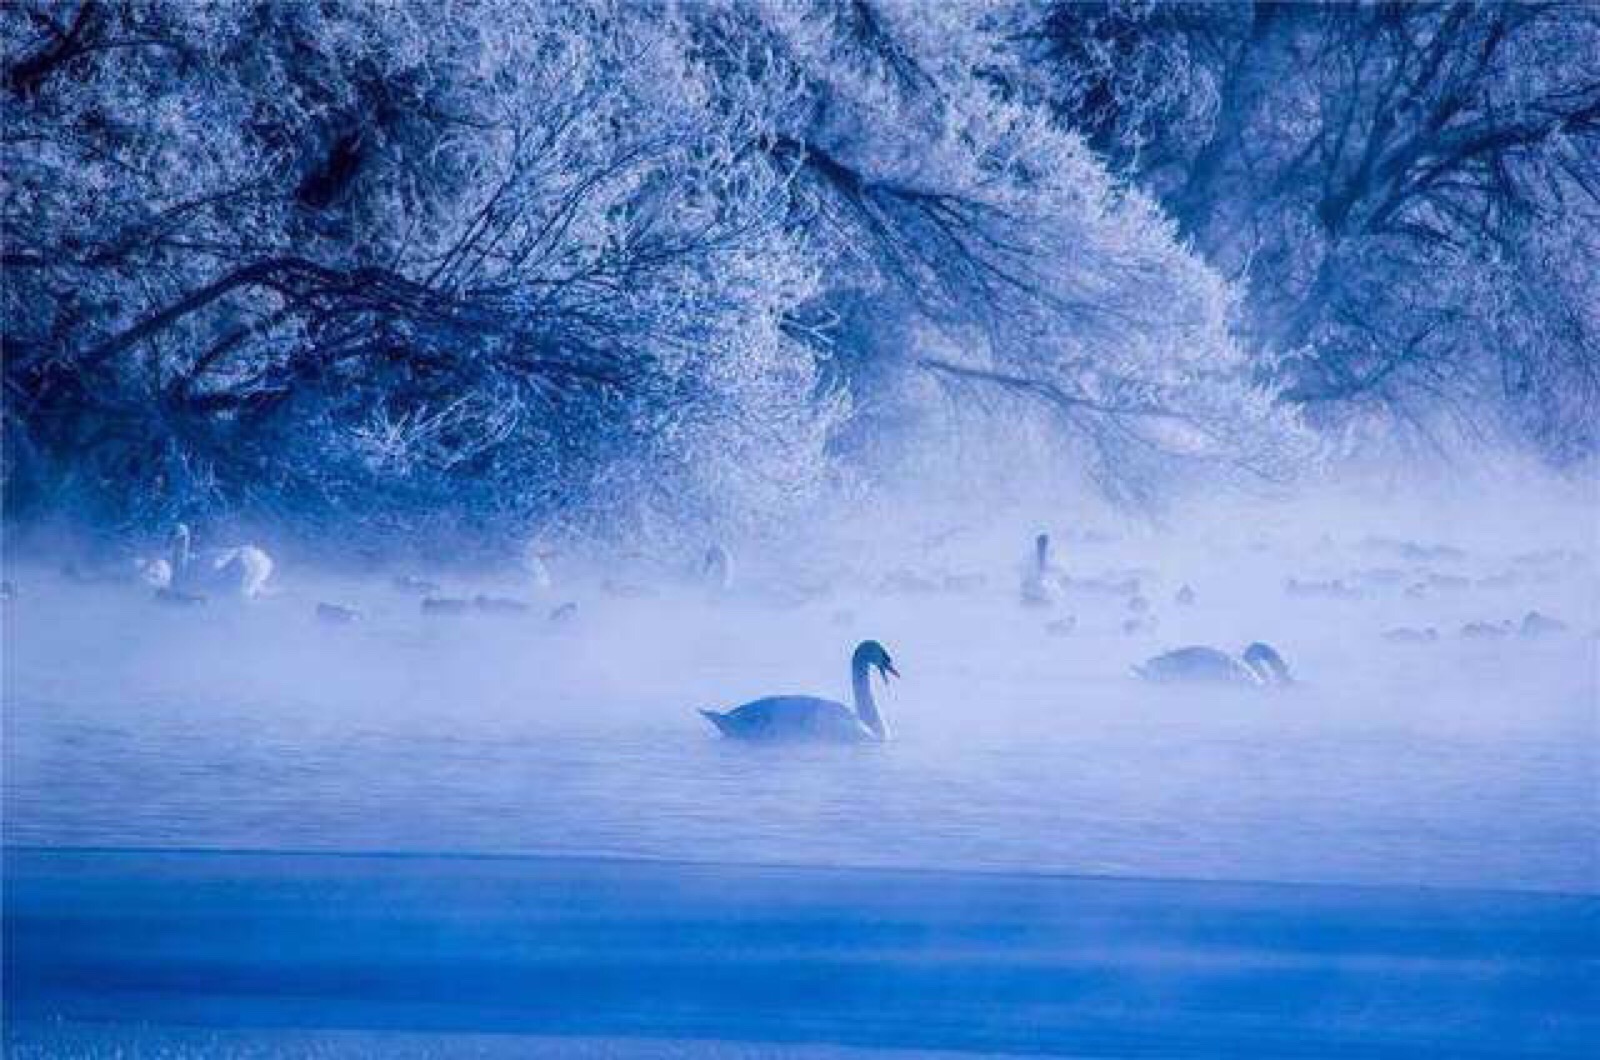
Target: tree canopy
(503, 264)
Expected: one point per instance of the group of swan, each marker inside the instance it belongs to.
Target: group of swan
(190, 576)
(809, 718)
(817, 720)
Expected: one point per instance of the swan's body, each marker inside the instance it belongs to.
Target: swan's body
(1042, 581)
(154, 572)
(812, 719)
(1258, 665)
(242, 570)
(499, 605)
(337, 614)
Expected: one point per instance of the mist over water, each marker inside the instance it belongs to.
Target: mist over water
(1457, 761)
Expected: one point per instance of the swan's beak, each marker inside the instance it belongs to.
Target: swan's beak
(889, 671)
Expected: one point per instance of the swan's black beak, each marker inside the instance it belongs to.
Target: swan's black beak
(889, 671)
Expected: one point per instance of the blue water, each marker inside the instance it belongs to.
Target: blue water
(1460, 763)
(113, 953)
(1048, 857)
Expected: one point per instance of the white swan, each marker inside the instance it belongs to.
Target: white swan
(533, 565)
(1041, 579)
(239, 570)
(1258, 665)
(716, 569)
(809, 718)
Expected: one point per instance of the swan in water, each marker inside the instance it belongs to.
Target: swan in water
(337, 614)
(813, 719)
(1259, 664)
(239, 570)
(1535, 624)
(499, 605)
(716, 569)
(1409, 635)
(533, 565)
(1042, 580)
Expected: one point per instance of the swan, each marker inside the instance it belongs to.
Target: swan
(1486, 630)
(337, 614)
(533, 565)
(716, 569)
(812, 719)
(1259, 664)
(1408, 635)
(1535, 624)
(499, 605)
(1042, 580)
(240, 570)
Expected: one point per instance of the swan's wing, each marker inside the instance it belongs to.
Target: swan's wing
(792, 717)
(245, 568)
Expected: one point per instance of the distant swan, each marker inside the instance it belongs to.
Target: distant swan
(239, 570)
(716, 569)
(809, 718)
(533, 565)
(1260, 664)
(1042, 580)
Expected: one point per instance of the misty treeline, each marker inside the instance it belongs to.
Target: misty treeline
(588, 266)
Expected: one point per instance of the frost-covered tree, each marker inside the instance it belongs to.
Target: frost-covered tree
(500, 263)
(1391, 182)
(971, 240)
(358, 258)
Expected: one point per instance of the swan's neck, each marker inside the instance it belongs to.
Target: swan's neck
(1042, 556)
(1263, 673)
(866, 706)
(180, 553)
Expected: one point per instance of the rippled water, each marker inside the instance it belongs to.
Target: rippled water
(1458, 763)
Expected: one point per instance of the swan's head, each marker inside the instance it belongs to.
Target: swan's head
(1267, 663)
(871, 653)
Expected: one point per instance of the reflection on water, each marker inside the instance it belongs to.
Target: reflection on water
(1458, 762)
